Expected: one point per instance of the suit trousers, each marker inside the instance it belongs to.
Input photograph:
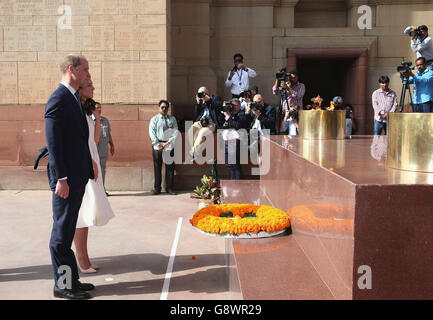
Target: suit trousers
(232, 157)
(157, 167)
(65, 215)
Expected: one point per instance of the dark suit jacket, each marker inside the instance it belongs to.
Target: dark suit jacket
(67, 134)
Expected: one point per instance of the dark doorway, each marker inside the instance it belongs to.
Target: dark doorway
(327, 78)
(335, 71)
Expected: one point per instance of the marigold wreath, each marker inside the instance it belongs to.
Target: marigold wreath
(234, 220)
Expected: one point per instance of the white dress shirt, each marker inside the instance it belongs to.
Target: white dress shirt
(240, 80)
(422, 49)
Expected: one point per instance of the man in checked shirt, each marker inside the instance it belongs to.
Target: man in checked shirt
(384, 101)
(292, 93)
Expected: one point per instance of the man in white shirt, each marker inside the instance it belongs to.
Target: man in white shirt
(238, 77)
(421, 43)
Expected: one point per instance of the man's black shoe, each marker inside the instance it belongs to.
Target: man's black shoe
(84, 286)
(71, 294)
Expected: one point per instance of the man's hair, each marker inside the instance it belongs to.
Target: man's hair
(424, 60)
(294, 72)
(423, 27)
(71, 60)
(235, 100)
(383, 79)
(238, 55)
(163, 101)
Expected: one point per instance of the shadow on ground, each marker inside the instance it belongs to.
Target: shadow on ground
(211, 280)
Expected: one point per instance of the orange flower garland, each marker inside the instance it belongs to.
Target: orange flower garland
(268, 219)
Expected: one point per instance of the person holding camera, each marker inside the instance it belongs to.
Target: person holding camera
(292, 92)
(423, 86)
(238, 77)
(384, 100)
(290, 121)
(233, 121)
(421, 43)
(207, 118)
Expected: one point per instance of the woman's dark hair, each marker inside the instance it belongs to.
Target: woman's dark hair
(89, 106)
(384, 79)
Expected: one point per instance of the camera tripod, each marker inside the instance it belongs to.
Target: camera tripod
(406, 87)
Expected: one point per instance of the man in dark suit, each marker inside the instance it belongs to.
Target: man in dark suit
(70, 168)
(270, 113)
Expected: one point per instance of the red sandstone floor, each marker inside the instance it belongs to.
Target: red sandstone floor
(133, 250)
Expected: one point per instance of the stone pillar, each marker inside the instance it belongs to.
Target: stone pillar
(284, 15)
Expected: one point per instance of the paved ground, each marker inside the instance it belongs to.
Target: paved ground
(133, 250)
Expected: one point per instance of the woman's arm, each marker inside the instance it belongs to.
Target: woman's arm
(97, 128)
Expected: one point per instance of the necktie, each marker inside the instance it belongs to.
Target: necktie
(164, 123)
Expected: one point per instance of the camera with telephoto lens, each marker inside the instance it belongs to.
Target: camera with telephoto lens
(415, 32)
(406, 66)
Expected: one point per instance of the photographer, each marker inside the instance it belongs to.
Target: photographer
(238, 77)
(292, 92)
(421, 43)
(232, 137)
(290, 121)
(268, 114)
(384, 100)
(423, 86)
(207, 118)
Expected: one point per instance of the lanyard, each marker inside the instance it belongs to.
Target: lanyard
(240, 77)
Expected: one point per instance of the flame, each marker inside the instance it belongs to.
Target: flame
(317, 100)
(331, 107)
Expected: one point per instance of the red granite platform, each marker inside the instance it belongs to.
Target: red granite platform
(348, 211)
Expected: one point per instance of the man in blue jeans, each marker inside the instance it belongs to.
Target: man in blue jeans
(384, 101)
(423, 86)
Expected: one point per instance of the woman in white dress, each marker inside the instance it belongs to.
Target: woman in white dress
(95, 209)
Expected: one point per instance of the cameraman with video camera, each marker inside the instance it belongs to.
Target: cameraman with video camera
(421, 43)
(233, 121)
(207, 117)
(423, 84)
(292, 92)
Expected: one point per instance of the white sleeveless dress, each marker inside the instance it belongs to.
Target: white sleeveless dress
(95, 209)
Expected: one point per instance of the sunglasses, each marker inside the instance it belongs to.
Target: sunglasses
(164, 108)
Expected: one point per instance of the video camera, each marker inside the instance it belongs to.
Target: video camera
(294, 114)
(405, 67)
(282, 76)
(204, 121)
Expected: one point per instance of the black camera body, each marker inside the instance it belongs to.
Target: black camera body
(201, 95)
(227, 106)
(294, 114)
(257, 106)
(245, 94)
(415, 32)
(405, 67)
(204, 121)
